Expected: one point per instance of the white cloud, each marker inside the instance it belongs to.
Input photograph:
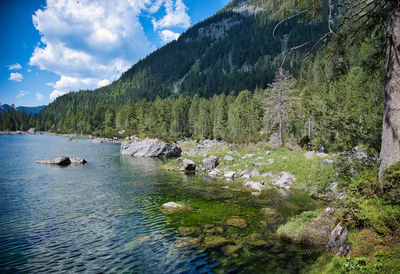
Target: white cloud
(102, 83)
(176, 16)
(15, 67)
(39, 96)
(56, 93)
(18, 77)
(168, 36)
(89, 43)
(22, 93)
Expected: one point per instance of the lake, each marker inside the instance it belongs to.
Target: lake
(105, 216)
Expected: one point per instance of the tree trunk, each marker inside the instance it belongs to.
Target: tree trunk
(280, 130)
(390, 150)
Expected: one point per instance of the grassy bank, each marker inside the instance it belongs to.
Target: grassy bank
(369, 210)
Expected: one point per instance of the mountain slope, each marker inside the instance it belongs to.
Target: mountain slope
(232, 50)
(27, 110)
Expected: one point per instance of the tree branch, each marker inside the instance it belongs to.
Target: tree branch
(285, 19)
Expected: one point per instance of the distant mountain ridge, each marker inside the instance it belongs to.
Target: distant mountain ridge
(27, 110)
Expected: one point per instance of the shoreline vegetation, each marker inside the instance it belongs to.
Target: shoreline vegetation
(352, 199)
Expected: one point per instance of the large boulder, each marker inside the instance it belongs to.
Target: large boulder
(149, 148)
(285, 180)
(210, 163)
(189, 165)
(61, 161)
(32, 131)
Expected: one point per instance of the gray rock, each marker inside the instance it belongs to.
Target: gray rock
(61, 161)
(210, 163)
(32, 131)
(358, 153)
(189, 165)
(229, 174)
(259, 164)
(78, 161)
(255, 172)
(214, 173)
(309, 154)
(328, 161)
(271, 161)
(322, 155)
(269, 174)
(274, 141)
(229, 158)
(245, 173)
(338, 241)
(149, 148)
(253, 185)
(285, 180)
(172, 207)
(248, 156)
(268, 152)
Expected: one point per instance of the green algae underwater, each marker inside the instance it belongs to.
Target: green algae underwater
(236, 228)
(106, 216)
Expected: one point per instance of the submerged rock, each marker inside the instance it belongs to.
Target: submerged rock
(258, 243)
(210, 163)
(189, 165)
(61, 161)
(213, 230)
(188, 231)
(149, 148)
(215, 241)
(231, 249)
(267, 211)
(187, 242)
(237, 222)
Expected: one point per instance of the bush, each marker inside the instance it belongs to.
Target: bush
(391, 184)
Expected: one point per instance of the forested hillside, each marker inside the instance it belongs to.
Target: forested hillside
(194, 87)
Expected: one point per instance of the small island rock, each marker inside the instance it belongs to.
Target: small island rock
(78, 161)
(61, 161)
(173, 208)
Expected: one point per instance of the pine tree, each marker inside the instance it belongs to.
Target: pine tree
(280, 101)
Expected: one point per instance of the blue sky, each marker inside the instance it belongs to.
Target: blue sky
(50, 47)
